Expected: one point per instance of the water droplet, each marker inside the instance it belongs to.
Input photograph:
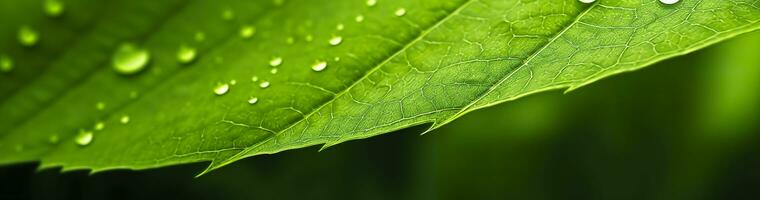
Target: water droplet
(100, 105)
(359, 18)
(6, 63)
(400, 12)
(337, 59)
(200, 36)
(233, 82)
(276, 61)
(255, 78)
(53, 8)
(228, 14)
(319, 66)
(273, 71)
(133, 94)
(278, 2)
(309, 38)
(129, 59)
(669, 2)
(253, 100)
(336, 40)
(247, 31)
(186, 54)
(99, 126)
(53, 139)
(264, 84)
(124, 119)
(221, 89)
(340, 27)
(84, 137)
(587, 1)
(290, 40)
(371, 3)
(27, 36)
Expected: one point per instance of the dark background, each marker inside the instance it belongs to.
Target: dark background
(685, 128)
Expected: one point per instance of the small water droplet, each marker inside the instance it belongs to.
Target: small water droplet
(400, 12)
(27, 36)
(290, 40)
(6, 63)
(228, 14)
(124, 119)
(84, 137)
(336, 40)
(371, 3)
(253, 100)
(319, 66)
(99, 126)
(200, 36)
(53, 8)
(255, 78)
(129, 59)
(337, 59)
(264, 84)
(309, 38)
(669, 2)
(53, 139)
(273, 71)
(100, 105)
(247, 31)
(359, 18)
(276, 61)
(587, 1)
(221, 89)
(133, 94)
(186, 54)
(340, 27)
(233, 82)
(278, 2)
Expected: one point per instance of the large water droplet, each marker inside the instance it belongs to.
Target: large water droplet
(400, 12)
(253, 100)
(247, 31)
(124, 119)
(336, 40)
(84, 137)
(587, 1)
(669, 2)
(186, 54)
(27, 36)
(276, 61)
(371, 3)
(6, 63)
(264, 84)
(129, 59)
(53, 8)
(221, 89)
(319, 66)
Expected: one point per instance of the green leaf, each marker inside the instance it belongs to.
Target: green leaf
(335, 70)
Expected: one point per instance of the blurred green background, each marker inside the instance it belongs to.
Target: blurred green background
(685, 128)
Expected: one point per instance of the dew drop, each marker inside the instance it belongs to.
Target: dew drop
(337, 59)
(400, 12)
(53, 139)
(587, 1)
(6, 63)
(100, 105)
(134, 94)
(186, 54)
(359, 18)
(290, 40)
(669, 2)
(276, 61)
(228, 14)
(371, 3)
(278, 2)
(253, 100)
(129, 59)
(255, 78)
(247, 31)
(309, 38)
(340, 27)
(319, 66)
(273, 71)
(221, 89)
(27, 36)
(233, 82)
(84, 137)
(124, 119)
(200, 36)
(264, 84)
(336, 40)
(53, 8)
(99, 126)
